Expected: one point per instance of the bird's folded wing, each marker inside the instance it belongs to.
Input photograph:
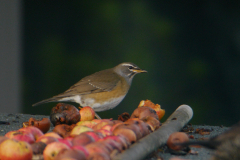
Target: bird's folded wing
(94, 83)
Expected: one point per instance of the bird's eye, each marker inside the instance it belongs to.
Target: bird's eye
(130, 67)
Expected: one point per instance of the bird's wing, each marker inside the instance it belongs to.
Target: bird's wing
(97, 82)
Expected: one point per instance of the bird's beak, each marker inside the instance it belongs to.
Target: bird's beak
(139, 70)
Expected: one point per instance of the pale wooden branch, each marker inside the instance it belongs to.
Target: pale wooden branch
(148, 144)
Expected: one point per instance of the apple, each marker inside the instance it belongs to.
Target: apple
(102, 124)
(70, 153)
(107, 127)
(38, 147)
(144, 112)
(64, 113)
(127, 133)
(63, 130)
(177, 137)
(43, 124)
(82, 139)
(87, 114)
(147, 103)
(12, 149)
(116, 125)
(89, 124)
(160, 112)
(145, 129)
(46, 139)
(52, 150)
(3, 138)
(53, 134)
(81, 148)
(95, 135)
(121, 140)
(80, 129)
(21, 136)
(65, 141)
(96, 147)
(152, 122)
(33, 130)
(69, 138)
(133, 127)
(115, 145)
(106, 145)
(105, 132)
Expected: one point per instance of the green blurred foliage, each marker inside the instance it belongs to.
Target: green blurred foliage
(190, 50)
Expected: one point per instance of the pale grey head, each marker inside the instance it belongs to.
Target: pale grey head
(128, 70)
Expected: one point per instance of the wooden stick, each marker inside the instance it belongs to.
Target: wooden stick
(148, 144)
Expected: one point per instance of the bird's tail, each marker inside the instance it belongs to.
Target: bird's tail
(53, 99)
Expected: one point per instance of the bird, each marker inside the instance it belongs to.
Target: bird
(102, 90)
(226, 145)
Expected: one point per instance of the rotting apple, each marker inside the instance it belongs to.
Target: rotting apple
(38, 147)
(144, 112)
(147, 103)
(64, 113)
(63, 130)
(43, 124)
(152, 122)
(177, 137)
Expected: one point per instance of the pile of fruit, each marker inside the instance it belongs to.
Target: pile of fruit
(78, 136)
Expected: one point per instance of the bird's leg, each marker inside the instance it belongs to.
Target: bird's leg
(97, 116)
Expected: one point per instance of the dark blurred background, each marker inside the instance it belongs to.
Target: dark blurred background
(191, 51)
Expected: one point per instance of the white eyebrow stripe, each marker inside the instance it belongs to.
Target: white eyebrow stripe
(127, 64)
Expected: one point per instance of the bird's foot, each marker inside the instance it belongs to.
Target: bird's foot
(97, 116)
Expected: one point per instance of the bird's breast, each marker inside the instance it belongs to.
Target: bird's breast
(102, 101)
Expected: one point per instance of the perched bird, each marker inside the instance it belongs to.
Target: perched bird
(102, 90)
(226, 145)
